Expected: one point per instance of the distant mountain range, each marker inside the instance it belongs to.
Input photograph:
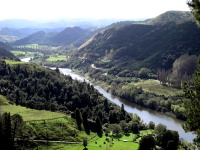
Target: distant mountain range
(66, 37)
(151, 43)
(59, 23)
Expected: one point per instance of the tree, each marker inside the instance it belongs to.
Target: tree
(183, 69)
(195, 7)
(160, 128)
(78, 118)
(17, 122)
(143, 73)
(168, 140)
(85, 121)
(151, 125)
(192, 105)
(7, 132)
(98, 124)
(85, 142)
(135, 127)
(147, 143)
(115, 128)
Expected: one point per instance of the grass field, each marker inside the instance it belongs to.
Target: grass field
(22, 53)
(33, 46)
(154, 86)
(103, 143)
(13, 62)
(3, 100)
(57, 58)
(31, 114)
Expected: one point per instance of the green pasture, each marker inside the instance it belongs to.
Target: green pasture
(13, 62)
(33, 46)
(154, 86)
(3, 100)
(25, 54)
(20, 53)
(31, 114)
(56, 58)
(104, 143)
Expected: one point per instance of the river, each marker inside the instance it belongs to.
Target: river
(145, 114)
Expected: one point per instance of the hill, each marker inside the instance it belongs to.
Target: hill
(4, 50)
(68, 36)
(63, 38)
(5, 53)
(39, 37)
(5, 46)
(140, 45)
(24, 32)
(177, 17)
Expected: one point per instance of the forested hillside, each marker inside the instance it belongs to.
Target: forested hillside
(41, 88)
(120, 57)
(135, 46)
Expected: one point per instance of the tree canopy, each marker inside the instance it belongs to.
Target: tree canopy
(192, 105)
(195, 7)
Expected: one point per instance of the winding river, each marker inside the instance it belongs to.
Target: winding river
(145, 114)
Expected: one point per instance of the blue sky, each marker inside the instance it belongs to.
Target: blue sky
(88, 9)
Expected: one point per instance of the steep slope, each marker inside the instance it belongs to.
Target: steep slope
(39, 37)
(4, 50)
(63, 38)
(5, 46)
(172, 16)
(68, 36)
(135, 46)
(5, 53)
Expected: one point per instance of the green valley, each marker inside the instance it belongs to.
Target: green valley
(149, 67)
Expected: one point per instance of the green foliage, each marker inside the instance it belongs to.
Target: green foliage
(143, 73)
(140, 46)
(3, 100)
(147, 143)
(195, 7)
(31, 114)
(168, 140)
(85, 142)
(192, 104)
(9, 126)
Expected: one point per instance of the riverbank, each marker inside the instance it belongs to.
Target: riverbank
(145, 114)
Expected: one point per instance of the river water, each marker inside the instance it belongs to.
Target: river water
(145, 114)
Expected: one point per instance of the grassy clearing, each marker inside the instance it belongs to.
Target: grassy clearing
(97, 144)
(56, 58)
(105, 142)
(13, 62)
(22, 53)
(154, 86)
(33, 46)
(31, 114)
(3, 100)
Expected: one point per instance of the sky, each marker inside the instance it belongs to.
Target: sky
(87, 9)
